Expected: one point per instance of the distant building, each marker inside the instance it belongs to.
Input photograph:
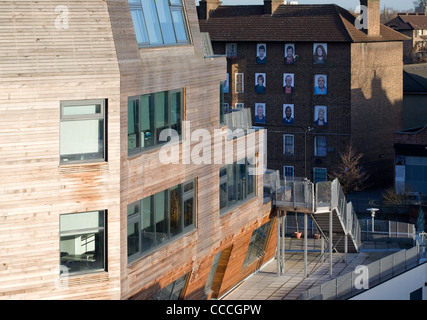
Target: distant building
(411, 161)
(324, 81)
(413, 25)
(414, 95)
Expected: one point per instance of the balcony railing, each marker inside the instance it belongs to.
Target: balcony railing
(346, 286)
(302, 195)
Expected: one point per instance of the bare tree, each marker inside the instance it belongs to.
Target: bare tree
(387, 14)
(349, 172)
(420, 6)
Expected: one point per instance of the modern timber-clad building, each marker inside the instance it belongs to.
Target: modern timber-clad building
(89, 209)
(316, 78)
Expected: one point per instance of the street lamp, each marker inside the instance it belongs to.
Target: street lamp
(373, 210)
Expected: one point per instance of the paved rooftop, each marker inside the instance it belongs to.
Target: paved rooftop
(267, 285)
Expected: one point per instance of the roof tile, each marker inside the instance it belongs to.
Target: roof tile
(319, 23)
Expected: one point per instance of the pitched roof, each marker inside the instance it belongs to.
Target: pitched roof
(314, 23)
(408, 21)
(415, 78)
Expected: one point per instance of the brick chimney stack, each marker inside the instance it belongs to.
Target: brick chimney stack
(207, 7)
(271, 5)
(373, 16)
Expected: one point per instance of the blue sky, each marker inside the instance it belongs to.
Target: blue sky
(401, 5)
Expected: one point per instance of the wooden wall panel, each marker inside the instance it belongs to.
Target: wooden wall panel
(41, 65)
(97, 58)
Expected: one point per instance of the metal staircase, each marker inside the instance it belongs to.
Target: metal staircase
(320, 200)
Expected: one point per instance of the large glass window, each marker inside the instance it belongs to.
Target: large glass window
(236, 184)
(82, 242)
(82, 131)
(212, 273)
(160, 218)
(149, 115)
(258, 243)
(159, 22)
(174, 290)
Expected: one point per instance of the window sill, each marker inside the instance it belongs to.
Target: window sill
(137, 258)
(152, 149)
(84, 167)
(164, 46)
(226, 211)
(81, 279)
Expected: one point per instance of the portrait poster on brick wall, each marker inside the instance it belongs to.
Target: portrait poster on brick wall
(288, 83)
(227, 84)
(259, 112)
(289, 53)
(260, 82)
(261, 53)
(320, 53)
(320, 115)
(321, 84)
(288, 114)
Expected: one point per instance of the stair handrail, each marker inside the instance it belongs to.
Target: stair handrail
(345, 212)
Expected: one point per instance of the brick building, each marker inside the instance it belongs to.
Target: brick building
(361, 70)
(414, 26)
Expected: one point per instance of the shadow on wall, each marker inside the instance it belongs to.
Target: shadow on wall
(374, 120)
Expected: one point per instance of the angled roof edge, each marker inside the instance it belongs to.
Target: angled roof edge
(345, 30)
(414, 130)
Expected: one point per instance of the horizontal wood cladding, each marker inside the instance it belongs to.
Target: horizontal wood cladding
(41, 66)
(213, 230)
(36, 41)
(97, 57)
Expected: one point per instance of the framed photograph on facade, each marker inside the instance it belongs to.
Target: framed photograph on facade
(289, 53)
(259, 112)
(320, 53)
(288, 83)
(321, 84)
(288, 114)
(227, 84)
(260, 82)
(261, 53)
(320, 115)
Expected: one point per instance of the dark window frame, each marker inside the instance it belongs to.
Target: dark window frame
(136, 216)
(173, 7)
(101, 115)
(230, 178)
(153, 109)
(81, 231)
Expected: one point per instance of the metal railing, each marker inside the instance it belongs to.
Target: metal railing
(295, 193)
(384, 230)
(345, 212)
(321, 197)
(349, 285)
